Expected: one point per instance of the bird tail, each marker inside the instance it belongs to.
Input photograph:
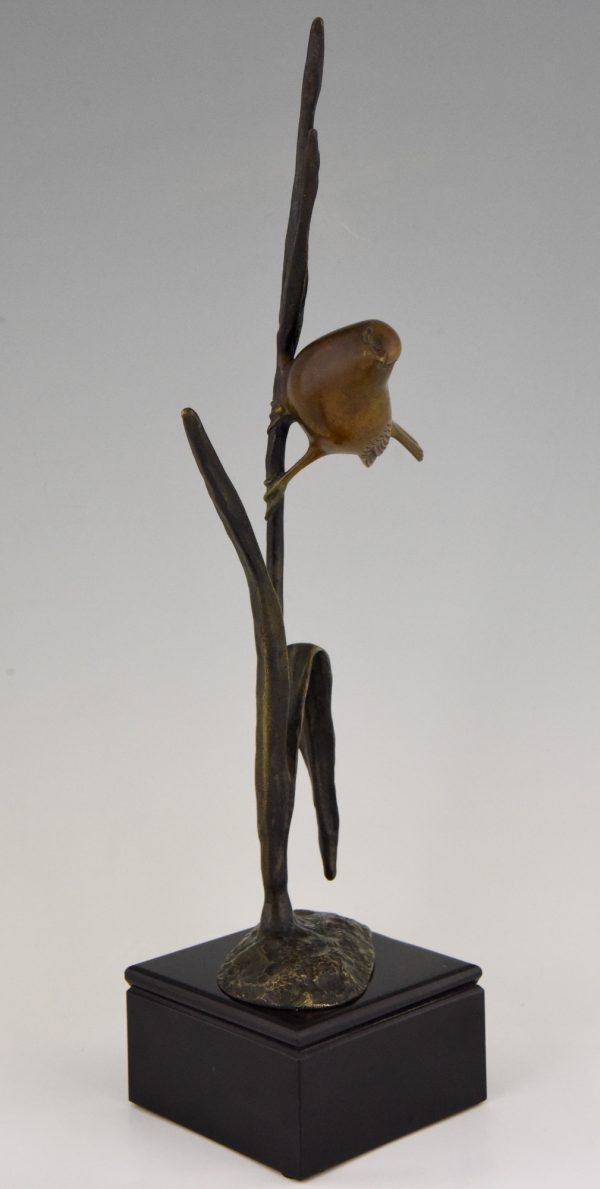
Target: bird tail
(407, 441)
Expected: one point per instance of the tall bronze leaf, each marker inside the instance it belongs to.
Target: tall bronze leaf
(272, 777)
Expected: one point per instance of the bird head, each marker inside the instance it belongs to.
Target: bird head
(382, 344)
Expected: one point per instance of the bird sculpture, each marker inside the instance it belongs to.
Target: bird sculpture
(337, 390)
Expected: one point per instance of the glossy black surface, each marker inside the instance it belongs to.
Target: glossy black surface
(403, 976)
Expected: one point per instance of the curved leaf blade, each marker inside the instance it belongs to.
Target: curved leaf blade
(310, 730)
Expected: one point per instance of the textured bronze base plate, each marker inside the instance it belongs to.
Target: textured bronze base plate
(327, 961)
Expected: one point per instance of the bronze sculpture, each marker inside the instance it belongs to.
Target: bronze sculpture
(336, 388)
(212, 1043)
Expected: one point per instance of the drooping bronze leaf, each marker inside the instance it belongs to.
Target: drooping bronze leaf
(310, 729)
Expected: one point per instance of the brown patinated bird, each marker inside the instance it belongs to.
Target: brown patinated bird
(337, 390)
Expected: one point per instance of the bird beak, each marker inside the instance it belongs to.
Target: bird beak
(385, 352)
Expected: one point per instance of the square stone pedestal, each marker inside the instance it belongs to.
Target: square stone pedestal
(303, 1090)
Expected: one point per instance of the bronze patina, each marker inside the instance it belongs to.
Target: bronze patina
(337, 389)
(326, 961)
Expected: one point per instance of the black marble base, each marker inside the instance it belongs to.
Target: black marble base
(304, 1090)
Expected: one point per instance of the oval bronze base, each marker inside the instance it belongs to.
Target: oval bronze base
(326, 961)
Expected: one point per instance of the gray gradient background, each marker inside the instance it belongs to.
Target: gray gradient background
(148, 154)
